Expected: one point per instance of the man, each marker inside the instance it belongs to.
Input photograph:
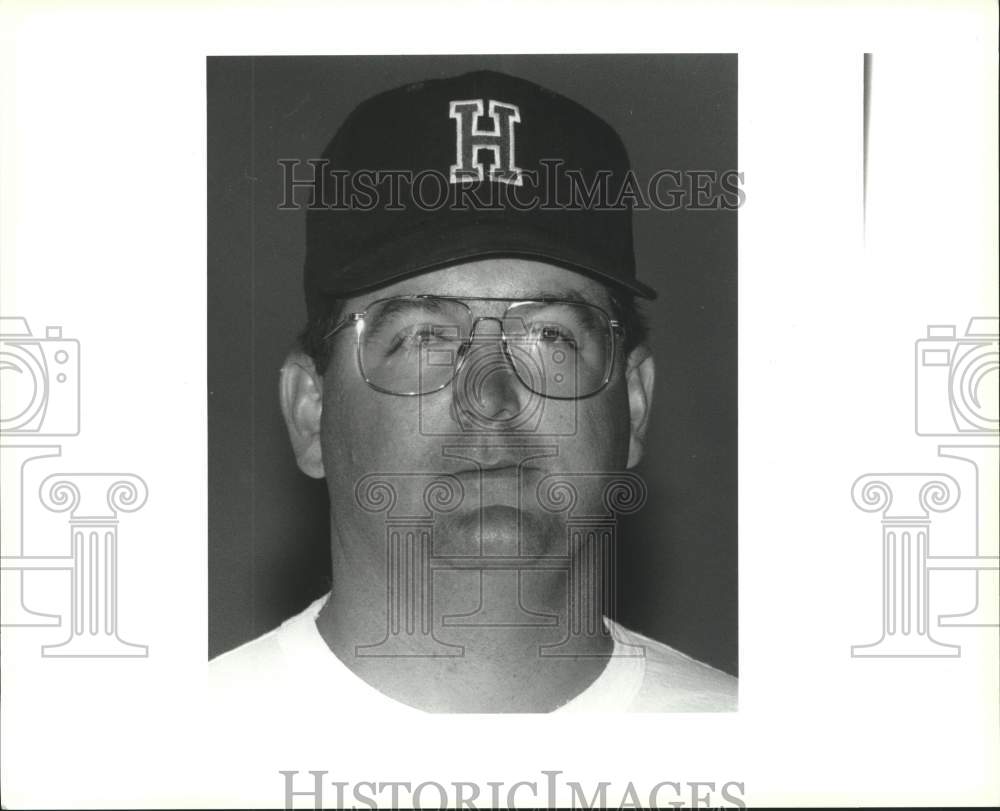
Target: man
(474, 385)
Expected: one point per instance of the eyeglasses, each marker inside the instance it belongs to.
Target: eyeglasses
(416, 345)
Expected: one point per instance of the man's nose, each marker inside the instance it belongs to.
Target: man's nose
(487, 390)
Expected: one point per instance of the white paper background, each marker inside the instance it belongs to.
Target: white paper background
(102, 231)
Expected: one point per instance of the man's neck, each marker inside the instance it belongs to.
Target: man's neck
(466, 667)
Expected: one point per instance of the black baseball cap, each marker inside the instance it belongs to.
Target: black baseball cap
(471, 167)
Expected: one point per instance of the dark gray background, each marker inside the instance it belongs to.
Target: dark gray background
(268, 525)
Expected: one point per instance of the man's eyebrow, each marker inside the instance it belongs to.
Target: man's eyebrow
(405, 303)
(565, 295)
(610, 304)
(388, 308)
(437, 302)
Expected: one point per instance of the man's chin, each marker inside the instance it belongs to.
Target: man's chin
(499, 529)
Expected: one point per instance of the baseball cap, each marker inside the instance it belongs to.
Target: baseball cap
(471, 167)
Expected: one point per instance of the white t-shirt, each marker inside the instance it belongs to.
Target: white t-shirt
(293, 663)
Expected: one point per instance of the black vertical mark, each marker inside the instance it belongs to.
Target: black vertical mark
(253, 347)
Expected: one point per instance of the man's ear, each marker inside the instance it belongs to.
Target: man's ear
(639, 377)
(301, 394)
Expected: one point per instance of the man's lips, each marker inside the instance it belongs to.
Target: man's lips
(503, 484)
(499, 480)
(496, 458)
(499, 462)
(500, 469)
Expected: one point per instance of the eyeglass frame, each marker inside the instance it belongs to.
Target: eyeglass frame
(616, 330)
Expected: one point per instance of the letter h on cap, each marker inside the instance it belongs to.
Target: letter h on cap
(470, 139)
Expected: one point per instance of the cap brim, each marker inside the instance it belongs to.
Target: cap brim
(426, 248)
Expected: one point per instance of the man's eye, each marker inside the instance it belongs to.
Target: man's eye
(419, 335)
(551, 333)
(438, 332)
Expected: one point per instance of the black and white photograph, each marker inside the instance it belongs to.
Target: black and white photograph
(472, 381)
(478, 405)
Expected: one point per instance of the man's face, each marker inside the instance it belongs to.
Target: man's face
(485, 427)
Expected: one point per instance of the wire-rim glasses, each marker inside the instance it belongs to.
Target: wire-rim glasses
(416, 345)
